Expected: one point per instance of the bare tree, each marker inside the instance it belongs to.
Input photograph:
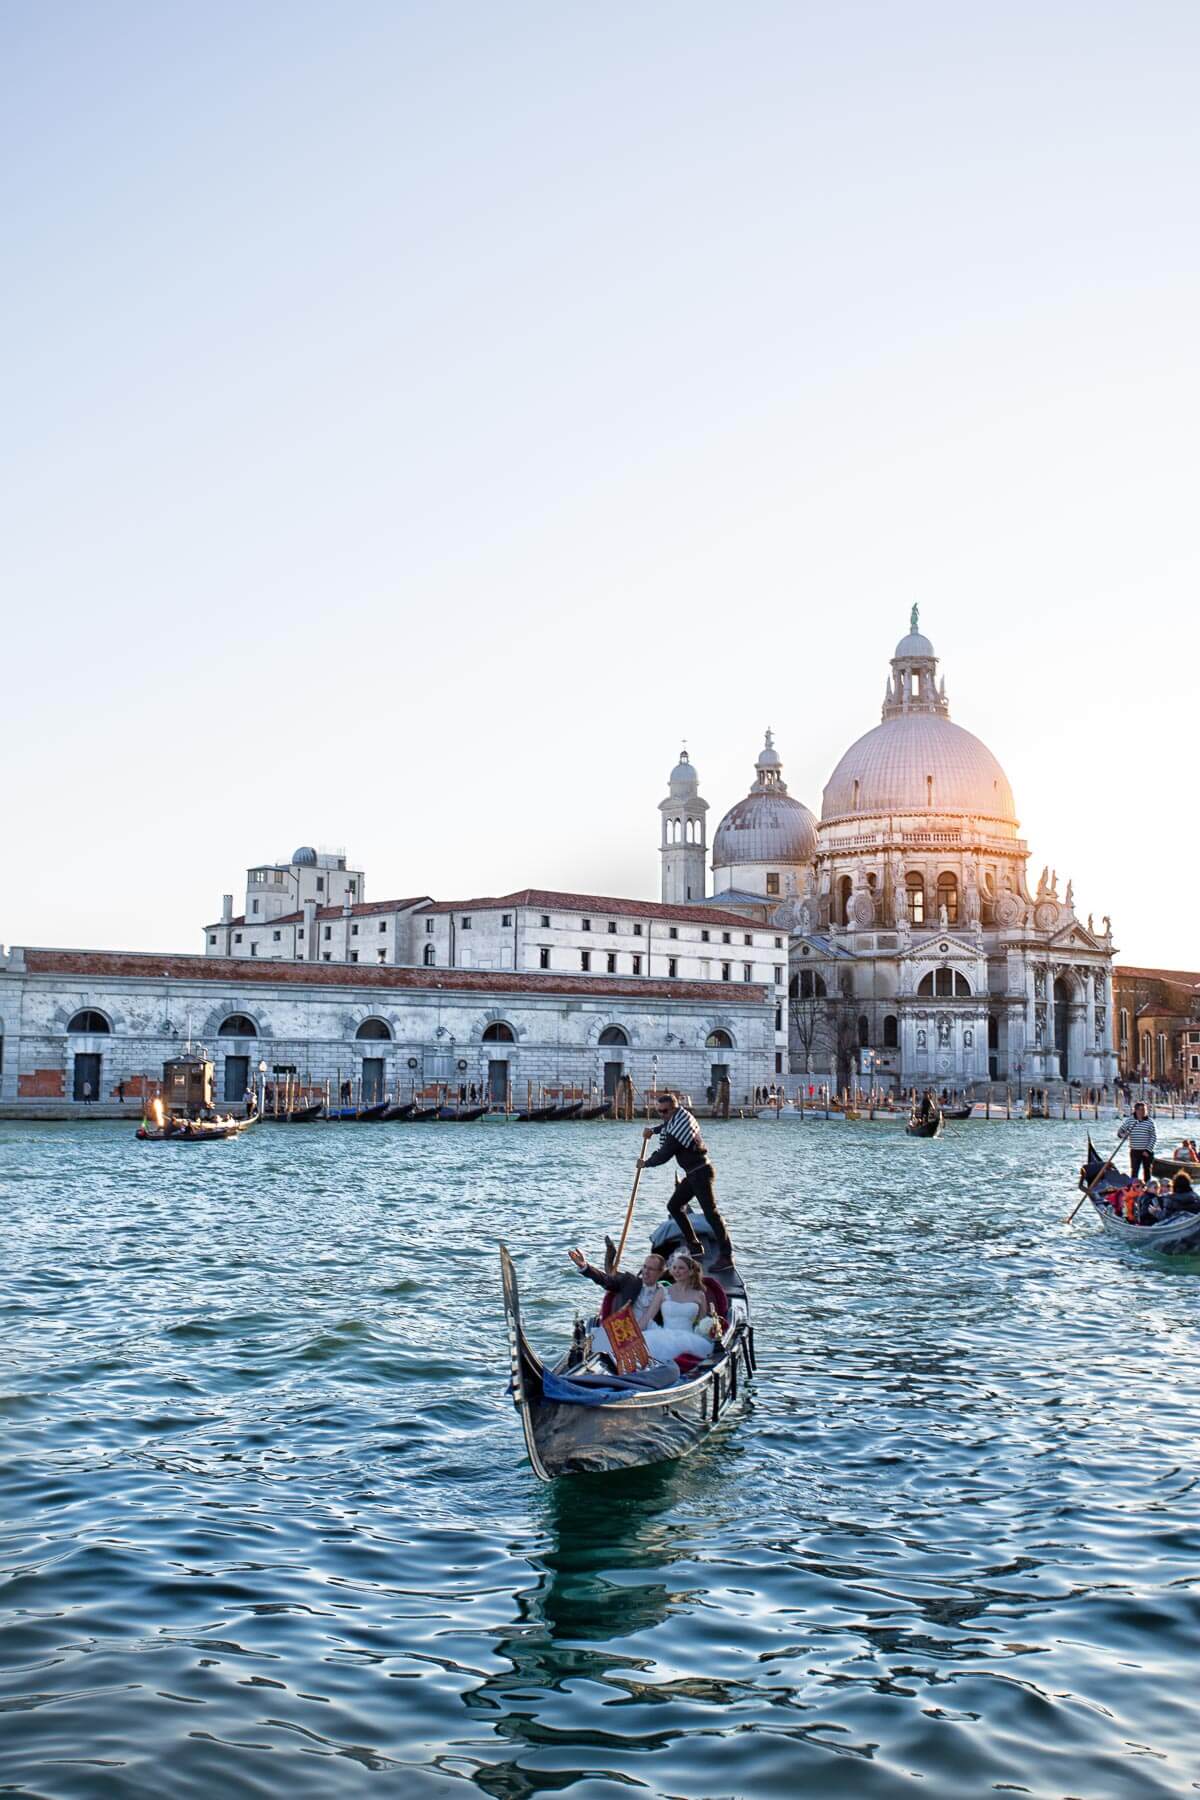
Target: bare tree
(806, 1018)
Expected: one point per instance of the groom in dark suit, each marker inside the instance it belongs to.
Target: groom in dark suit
(627, 1289)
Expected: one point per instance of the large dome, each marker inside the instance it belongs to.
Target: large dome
(768, 826)
(919, 762)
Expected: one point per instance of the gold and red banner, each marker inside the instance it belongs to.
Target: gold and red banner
(627, 1343)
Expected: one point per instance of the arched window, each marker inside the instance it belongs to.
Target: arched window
(891, 1032)
(718, 1040)
(864, 1031)
(237, 1025)
(499, 1033)
(373, 1028)
(845, 888)
(430, 955)
(915, 889)
(945, 984)
(89, 1021)
(947, 896)
(614, 1034)
(807, 985)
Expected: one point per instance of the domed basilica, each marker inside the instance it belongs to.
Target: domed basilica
(918, 953)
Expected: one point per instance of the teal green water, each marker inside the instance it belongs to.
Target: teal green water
(266, 1525)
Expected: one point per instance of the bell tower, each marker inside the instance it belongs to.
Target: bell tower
(684, 851)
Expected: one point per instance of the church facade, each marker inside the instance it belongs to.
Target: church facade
(919, 951)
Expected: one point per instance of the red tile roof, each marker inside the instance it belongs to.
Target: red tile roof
(327, 912)
(266, 971)
(550, 900)
(1186, 977)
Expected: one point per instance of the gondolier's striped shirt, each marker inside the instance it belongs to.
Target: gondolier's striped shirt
(681, 1139)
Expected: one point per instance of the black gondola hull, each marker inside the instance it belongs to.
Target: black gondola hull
(925, 1128)
(657, 1426)
(297, 1115)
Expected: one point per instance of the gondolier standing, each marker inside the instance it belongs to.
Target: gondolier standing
(681, 1139)
(1141, 1134)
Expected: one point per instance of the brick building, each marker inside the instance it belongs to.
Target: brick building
(1156, 1026)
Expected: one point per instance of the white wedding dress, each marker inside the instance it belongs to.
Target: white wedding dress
(674, 1336)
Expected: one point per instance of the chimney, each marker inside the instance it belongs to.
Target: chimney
(310, 931)
(226, 908)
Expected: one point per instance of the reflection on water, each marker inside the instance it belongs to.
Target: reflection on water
(265, 1524)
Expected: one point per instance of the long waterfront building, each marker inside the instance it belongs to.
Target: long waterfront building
(896, 940)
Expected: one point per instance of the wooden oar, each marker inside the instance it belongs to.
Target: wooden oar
(1087, 1194)
(628, 1213)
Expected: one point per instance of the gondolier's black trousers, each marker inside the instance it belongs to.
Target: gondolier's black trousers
(699, 1184)
(1141, 1162)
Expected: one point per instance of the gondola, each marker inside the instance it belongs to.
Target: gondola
(1179, 1236)
(570, 1109)
(925, 1128)
(425, 1115)
(357, 1115)
(597, 1112)
(599, 1429)
(957, 1112)
(1167, 1166)
(402, 1110)
(192, 1131)
(294, 1115)
(537, 1115)
(460, 1115)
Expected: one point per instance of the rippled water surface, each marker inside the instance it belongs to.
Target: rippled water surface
(266, 1526)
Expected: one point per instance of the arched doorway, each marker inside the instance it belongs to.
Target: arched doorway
(1063, 996)
(611, 1038)
(499, 1074)
(88, 1066)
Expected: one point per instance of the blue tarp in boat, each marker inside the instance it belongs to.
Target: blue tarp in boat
(601, 1390)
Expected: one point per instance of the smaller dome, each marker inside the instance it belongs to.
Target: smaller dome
(304, 857)
(765, 828)
(684, 774)
(915, 644)
(768, 826)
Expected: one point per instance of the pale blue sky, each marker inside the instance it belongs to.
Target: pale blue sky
(417, 419)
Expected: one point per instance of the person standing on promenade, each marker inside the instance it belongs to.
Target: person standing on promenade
(681, 1139)
(1142, 1135)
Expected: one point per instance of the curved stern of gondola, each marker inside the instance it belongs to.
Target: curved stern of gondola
(525, 1369)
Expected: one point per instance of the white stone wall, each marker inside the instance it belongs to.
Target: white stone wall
(284, 887)
(556, 1036)
(357, 937)
(751, 878)
(489, 943)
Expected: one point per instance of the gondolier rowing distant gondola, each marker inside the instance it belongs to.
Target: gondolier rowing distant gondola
(680, 1139)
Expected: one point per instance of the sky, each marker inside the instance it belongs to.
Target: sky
(418, 420)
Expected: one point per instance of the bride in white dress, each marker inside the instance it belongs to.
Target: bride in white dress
(670, 1329)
